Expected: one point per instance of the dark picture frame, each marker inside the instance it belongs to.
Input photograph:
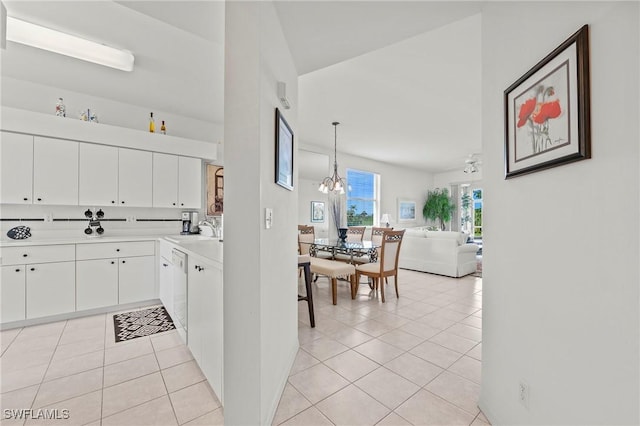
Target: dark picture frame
(547, 111)
(317, 211)
(284, 152)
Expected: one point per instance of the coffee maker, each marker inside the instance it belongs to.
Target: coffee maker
(189, 223)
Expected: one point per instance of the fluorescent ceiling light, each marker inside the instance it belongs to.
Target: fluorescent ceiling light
(66, 44)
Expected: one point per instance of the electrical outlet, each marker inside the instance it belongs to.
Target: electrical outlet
(523, 393)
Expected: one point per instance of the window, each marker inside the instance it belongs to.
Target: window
(477, 213)
(362, 198)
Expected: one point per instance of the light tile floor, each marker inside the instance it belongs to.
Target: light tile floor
(414, 360)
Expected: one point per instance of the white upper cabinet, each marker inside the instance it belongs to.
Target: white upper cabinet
(165, 180)
(190, 182)
(16, 162)
(98, 175)
(135, 178)
(55, 171)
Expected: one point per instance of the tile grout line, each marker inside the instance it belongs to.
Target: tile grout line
(35, 397)
(164, 382)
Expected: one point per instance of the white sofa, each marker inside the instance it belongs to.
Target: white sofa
(438, 252)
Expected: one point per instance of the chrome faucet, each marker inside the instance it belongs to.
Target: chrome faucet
(214, 230)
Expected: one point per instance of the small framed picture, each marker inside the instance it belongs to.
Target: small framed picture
(547, 118)
(317, 211)
(406, 210)
(284, 152)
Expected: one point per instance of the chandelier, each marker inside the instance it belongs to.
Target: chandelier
(334, 182)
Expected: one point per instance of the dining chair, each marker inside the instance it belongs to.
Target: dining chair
(386, 266)
(355, 234)
(306, 236)
(376, 239)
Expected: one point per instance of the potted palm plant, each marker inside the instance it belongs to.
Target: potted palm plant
(438, 206)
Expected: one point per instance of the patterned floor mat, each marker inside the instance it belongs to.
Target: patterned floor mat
(134, 324)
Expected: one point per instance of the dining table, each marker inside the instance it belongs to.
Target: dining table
(349, 248)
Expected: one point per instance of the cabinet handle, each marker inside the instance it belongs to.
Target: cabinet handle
(25, 255)
(18, 270)
(32, 269)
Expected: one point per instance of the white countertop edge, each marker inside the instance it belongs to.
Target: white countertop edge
(208, 249)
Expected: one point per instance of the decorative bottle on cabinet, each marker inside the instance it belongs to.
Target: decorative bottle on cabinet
(163, 129)
(61, 110)
(152, 124)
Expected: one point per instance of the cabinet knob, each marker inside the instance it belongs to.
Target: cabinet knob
(122, 202)
(172, 203)
(25, 255)
(32, 269)
(113, 202)
(39, 199)
(182, 204)
(123, 261)
(113, 262)
(165, 265)
(117, 249)
(25, 199)
(196, 267)
(18, 270)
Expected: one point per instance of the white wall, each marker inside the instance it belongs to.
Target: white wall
(395, 183)
(260, 273)
(560, 286)
(454, 177)
(308, 192)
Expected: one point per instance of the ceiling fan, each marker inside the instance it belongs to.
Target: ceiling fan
(472, 163)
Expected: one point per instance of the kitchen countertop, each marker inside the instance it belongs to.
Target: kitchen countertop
(208, 247)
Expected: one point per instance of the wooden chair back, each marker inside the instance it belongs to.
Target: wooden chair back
(355, 234)
(306, 236)
(390, 251)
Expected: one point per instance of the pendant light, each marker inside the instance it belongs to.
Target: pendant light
(334, 182)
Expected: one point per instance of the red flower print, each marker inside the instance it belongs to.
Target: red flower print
(525, 111)
(547, 110)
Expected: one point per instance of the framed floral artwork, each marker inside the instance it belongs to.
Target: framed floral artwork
(547, 113)
(317, 211)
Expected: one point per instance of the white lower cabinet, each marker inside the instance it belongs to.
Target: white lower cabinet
(12, 294)
(204, 310)
(37, 281)
(136, 279)
(50, 289)
(96, 283)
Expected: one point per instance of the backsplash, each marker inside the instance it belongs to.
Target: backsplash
(48, 221)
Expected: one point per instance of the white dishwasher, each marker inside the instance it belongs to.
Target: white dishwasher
(179, 260)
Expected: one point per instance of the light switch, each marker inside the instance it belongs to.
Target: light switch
(268, 218)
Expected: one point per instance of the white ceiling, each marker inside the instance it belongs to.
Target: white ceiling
(403, 78)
